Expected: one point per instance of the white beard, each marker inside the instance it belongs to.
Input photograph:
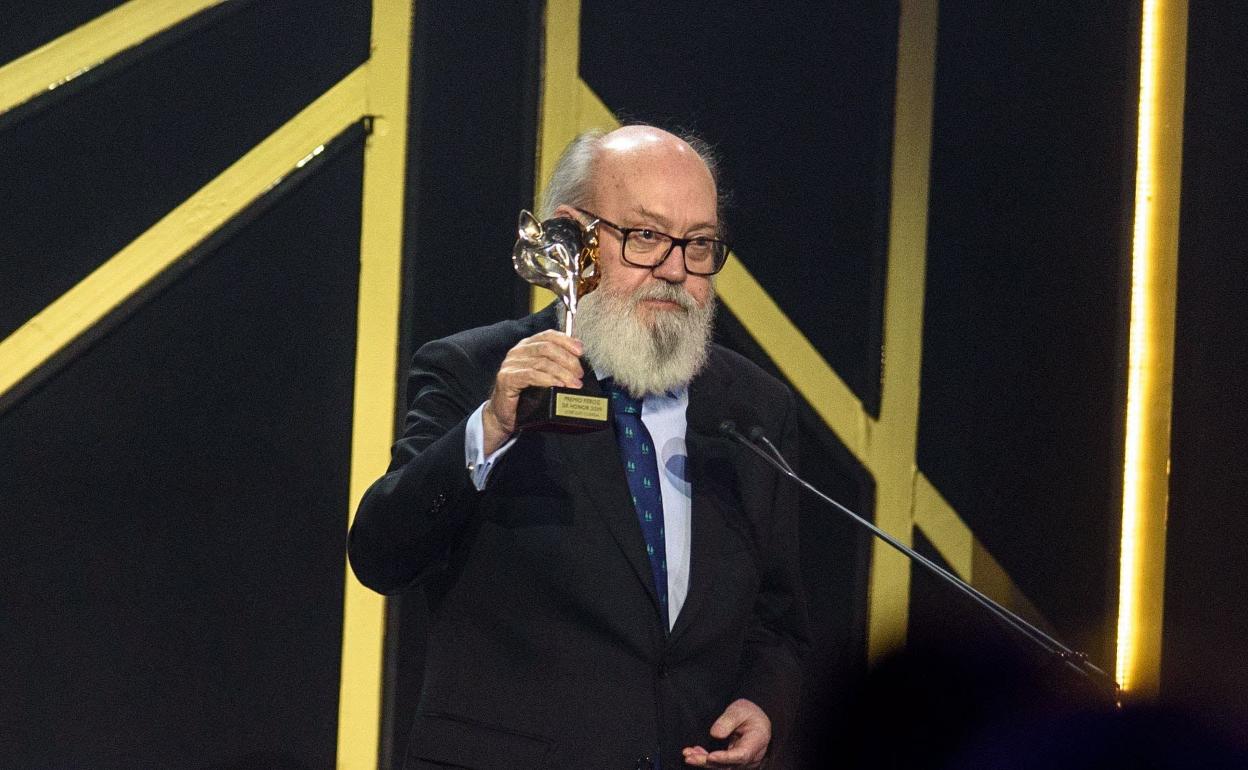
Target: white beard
(642, 359)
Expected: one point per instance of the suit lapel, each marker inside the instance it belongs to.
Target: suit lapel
(706, 453)
(594, 461)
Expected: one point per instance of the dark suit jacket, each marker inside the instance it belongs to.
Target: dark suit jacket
(546, 647)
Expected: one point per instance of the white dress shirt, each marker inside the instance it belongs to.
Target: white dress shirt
(664, 418)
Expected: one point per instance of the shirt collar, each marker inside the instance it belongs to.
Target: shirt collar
(678, 394)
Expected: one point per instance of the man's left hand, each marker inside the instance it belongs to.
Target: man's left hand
(750, 733)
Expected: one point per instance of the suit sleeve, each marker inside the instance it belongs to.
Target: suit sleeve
(409, 519)
(778, 638)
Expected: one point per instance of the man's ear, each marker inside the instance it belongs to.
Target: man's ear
(564, 210)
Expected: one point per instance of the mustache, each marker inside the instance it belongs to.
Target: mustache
(669, 292)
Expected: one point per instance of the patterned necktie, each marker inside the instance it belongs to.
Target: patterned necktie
(637, 450)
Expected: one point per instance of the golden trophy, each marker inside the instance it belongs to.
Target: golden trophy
(562, 256)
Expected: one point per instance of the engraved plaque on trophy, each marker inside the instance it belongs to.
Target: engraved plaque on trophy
(559, 255)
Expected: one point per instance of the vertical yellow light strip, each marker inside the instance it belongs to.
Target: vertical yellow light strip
(1154, 264)
(376, 364)
(568, 106)
(892, 442)
(557, 119)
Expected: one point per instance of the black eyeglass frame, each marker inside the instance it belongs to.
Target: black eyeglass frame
(624, 232)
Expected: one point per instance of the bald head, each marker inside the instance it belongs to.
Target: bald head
(634, 139)
(645, 176)
(579, 168)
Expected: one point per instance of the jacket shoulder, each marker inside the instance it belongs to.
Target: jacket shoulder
(733, 387)
(734, 371)
(487, 346)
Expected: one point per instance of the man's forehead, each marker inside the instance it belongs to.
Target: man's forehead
(641, 213)
(635, 149)
(656, 163)
(631, 138)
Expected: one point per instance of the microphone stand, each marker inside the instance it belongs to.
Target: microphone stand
(1077, 661)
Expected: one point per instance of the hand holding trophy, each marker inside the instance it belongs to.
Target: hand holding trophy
(561, 256)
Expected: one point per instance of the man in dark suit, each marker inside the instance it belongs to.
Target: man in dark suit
(618, 599)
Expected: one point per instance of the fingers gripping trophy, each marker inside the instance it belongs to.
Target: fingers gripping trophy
(562, 256)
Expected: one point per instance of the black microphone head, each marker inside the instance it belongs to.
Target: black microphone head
(756, 433)
(728, 427)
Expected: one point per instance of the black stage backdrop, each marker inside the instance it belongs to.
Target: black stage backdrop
(174, 492)
(1206, 616)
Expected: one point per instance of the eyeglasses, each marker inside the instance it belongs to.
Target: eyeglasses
(649, 248)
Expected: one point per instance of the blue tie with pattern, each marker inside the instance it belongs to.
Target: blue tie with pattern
(637, 450)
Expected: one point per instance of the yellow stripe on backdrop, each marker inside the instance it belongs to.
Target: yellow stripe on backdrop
(965, 555)
(797, 359)
(376, 364)
(886, 447)
(568, 107)
(85, 48)
(894, 441)
(179, 231)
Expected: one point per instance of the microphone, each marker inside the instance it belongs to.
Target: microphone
(1074, 659)
(758, 436)
(729, 429)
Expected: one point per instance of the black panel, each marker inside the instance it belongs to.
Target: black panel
(799, 100)
(86, 176)
(470, 171)
(1021, 406)
(1206, 617)
(472, 167)
(176, 504)
(29, 25)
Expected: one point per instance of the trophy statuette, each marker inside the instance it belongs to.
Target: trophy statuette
(562, 256)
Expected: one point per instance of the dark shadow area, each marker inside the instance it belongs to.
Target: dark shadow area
(176, 500)
(1206, 616)
(967, 705)
(30, 25)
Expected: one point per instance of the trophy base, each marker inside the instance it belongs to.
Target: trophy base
(561, 410)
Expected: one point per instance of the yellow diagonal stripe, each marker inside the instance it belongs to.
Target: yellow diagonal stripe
(85, 48)
(590, 110)
(795, 357)
(965, 555)
(942, 526)
(568, 105)
(179, 231)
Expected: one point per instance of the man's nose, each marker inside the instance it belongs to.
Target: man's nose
(672, 269)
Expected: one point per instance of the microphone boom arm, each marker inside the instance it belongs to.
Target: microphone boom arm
(1074, 659)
